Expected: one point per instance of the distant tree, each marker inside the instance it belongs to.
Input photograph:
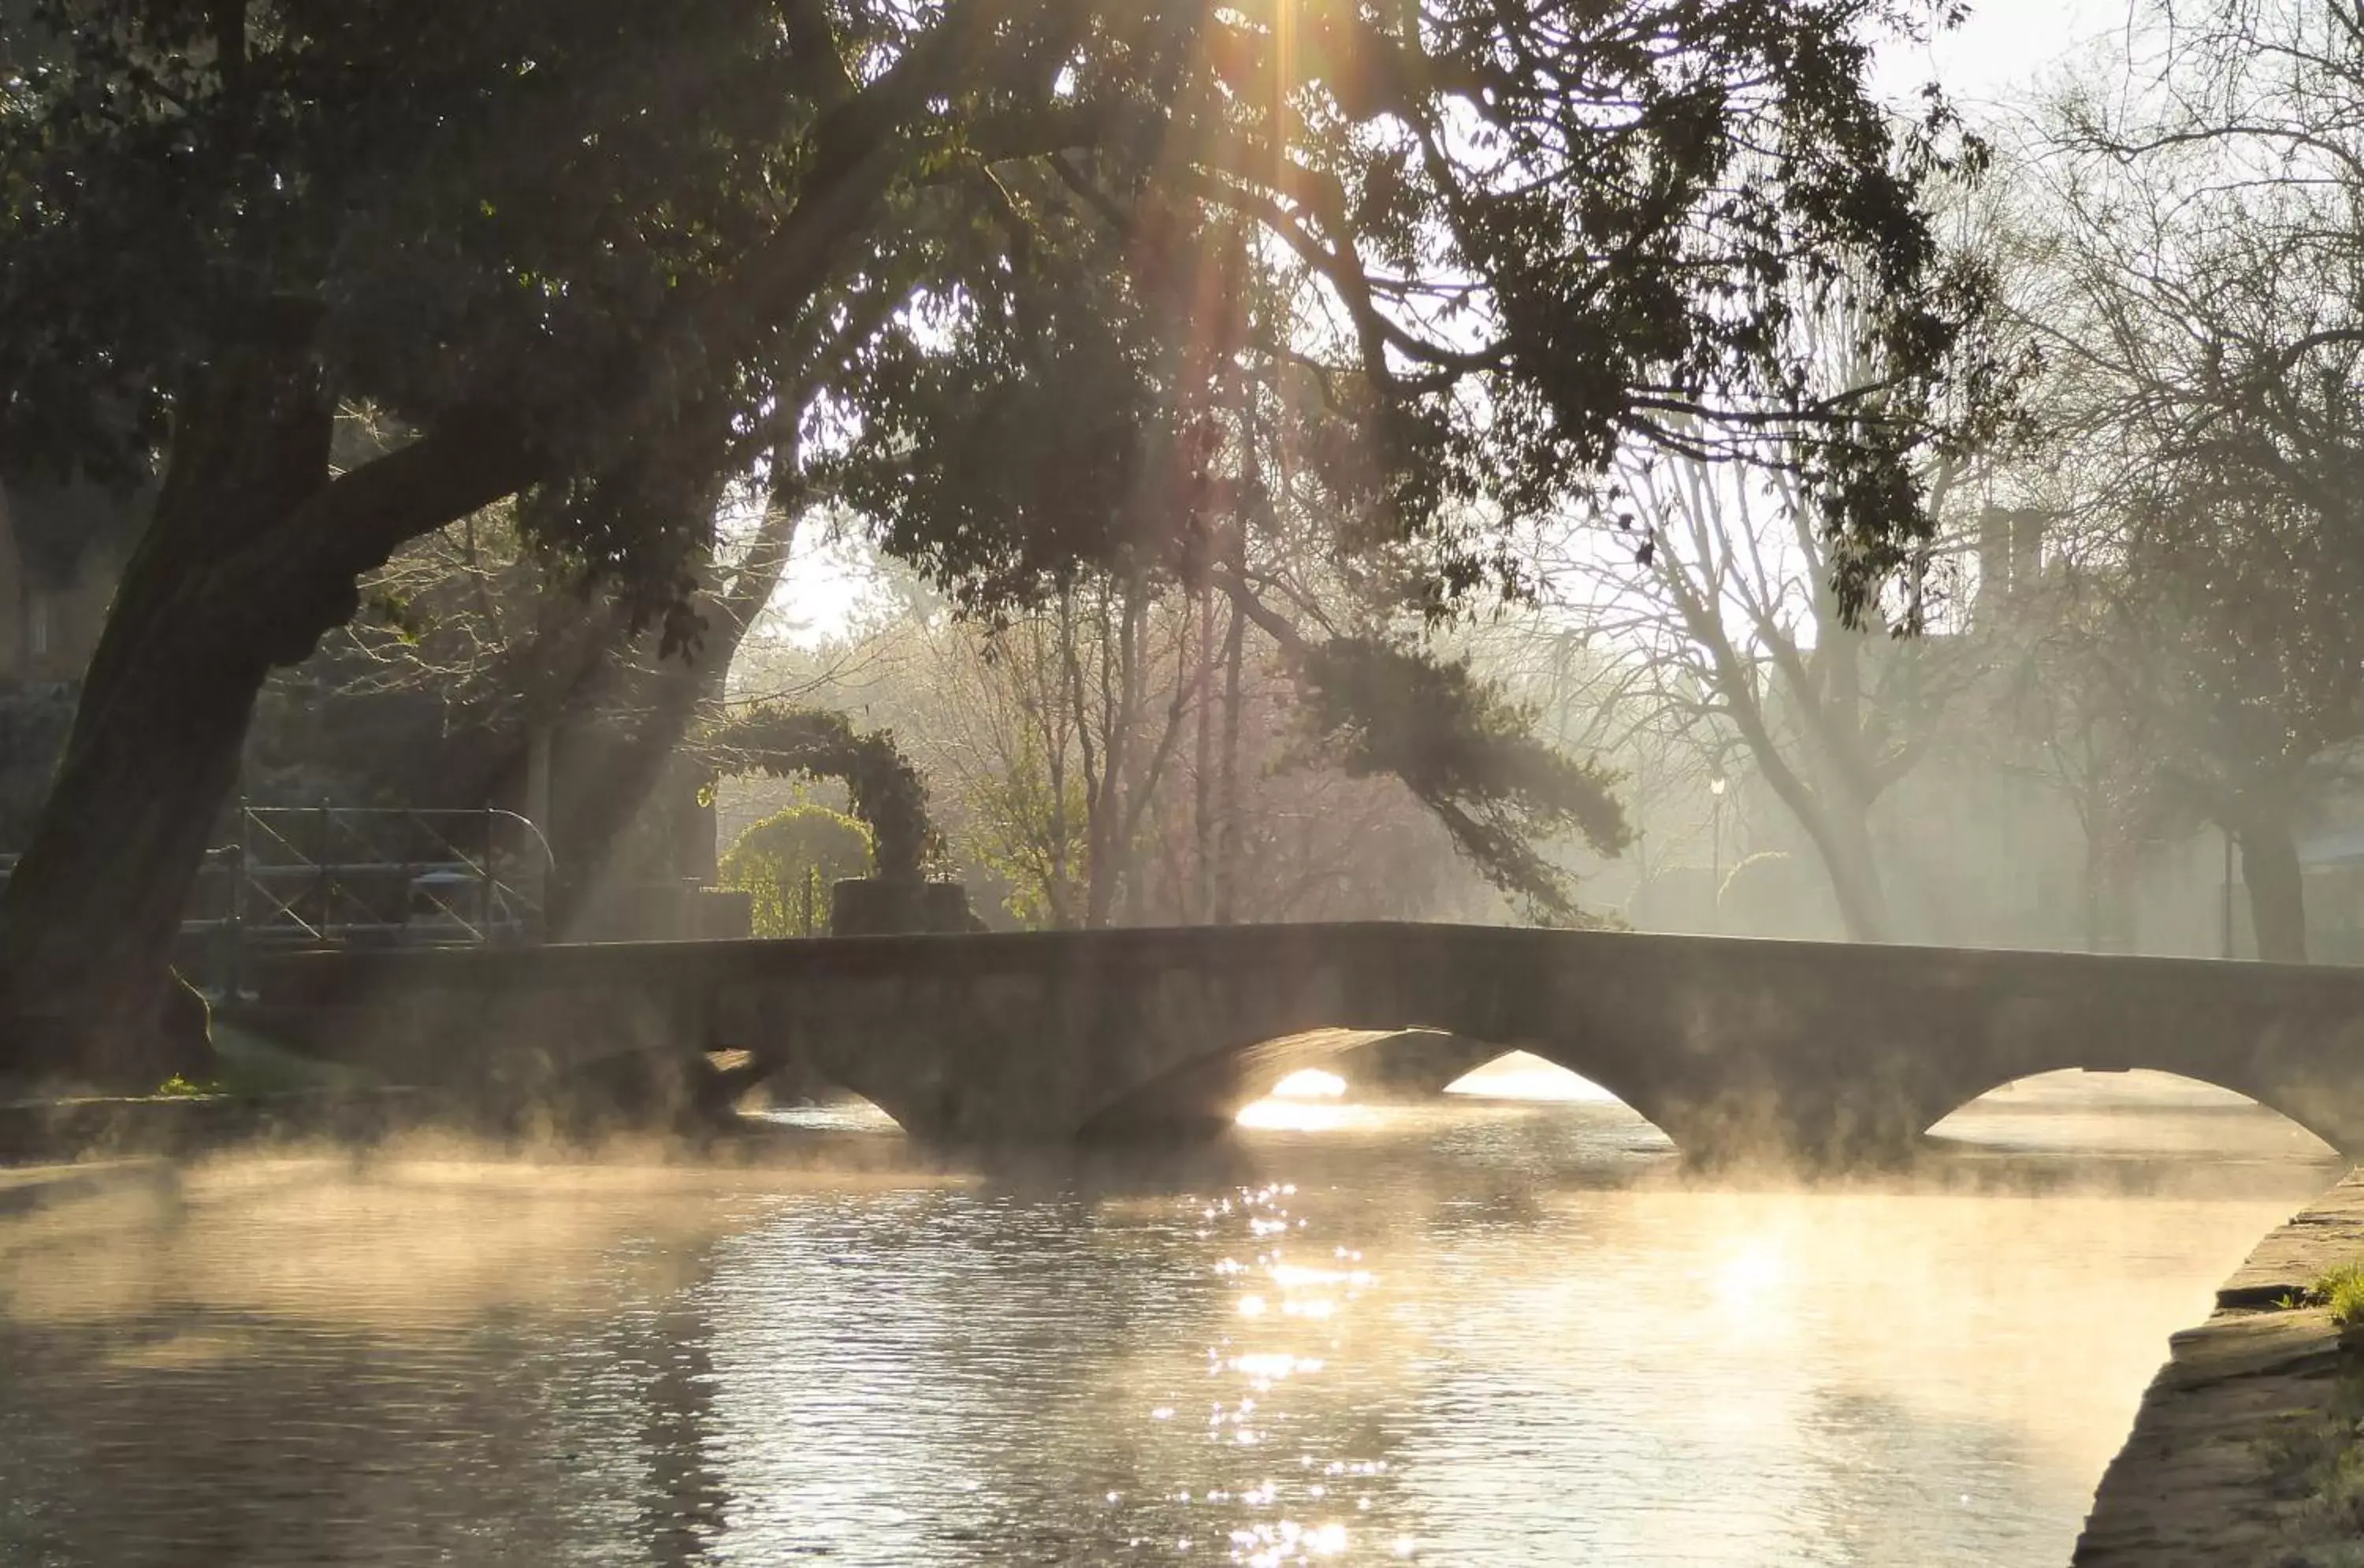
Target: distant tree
(1732, 610)
(1073, 716)
(2070, 700)
(1728, 593)
(2250, 611)
(2203, 319)
(992, 717)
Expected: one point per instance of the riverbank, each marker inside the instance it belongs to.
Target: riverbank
(2245, 1449)
(61, 1132)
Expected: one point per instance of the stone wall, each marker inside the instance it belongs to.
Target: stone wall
(2209, 1477)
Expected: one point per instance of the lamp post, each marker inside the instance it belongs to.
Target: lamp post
(1715, 851)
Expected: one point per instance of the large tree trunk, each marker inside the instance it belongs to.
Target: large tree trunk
(1227, 807)
(88, 921)
(1202, 772)
(2277, 892)
(1852, 865)
(252, 556)
(1840, 832)
(2110, 869)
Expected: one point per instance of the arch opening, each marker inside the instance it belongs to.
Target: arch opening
(793, 1095)
(2136, 1111)
(1309, 1083)
(1361, 1069)
(1327, 1077)
(1336, 1077)
(1523, 1075)
(1527, 1077)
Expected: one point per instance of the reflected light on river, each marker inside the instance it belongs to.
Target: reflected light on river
(1471, 1330)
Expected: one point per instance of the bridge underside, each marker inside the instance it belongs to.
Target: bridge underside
(1793, 1051)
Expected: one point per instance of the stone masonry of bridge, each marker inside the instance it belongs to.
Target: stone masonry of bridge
(1729, 1046)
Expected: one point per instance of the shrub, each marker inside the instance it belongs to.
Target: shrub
(773, 859)
(2342, 1290)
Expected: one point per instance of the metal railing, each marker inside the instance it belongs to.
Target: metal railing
(331, 875)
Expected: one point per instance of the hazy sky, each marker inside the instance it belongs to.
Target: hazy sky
(2006, 44)
(2004, 48)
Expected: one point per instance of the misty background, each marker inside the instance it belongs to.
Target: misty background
(2126, 722)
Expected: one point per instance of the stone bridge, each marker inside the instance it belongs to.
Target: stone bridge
(1729, 1046)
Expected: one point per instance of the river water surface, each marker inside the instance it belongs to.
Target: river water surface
(1470, 1332)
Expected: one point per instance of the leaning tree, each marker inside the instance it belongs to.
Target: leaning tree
(592, 254)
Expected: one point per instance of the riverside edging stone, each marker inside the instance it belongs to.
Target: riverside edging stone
(27, 1189)
(39, 1132)
(2201, 1481)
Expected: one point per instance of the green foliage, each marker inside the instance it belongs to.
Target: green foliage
(2340, 1288)
(1027, 425)
(599, 244)
(1031, 836)
(179, 1088)
(774, 860)
(453, 206)
(1471, 757)
(887, 790)
(1655, 196)
(2314, 1462)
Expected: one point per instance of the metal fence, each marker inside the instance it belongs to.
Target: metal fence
(330, 875)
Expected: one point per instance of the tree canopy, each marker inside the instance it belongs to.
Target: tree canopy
(603, 258)
(589, 251)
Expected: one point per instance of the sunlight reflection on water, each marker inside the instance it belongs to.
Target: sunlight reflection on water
(1471, 1332)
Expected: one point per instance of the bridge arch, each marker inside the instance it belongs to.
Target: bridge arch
(2217, 1097)
(1208, 1090)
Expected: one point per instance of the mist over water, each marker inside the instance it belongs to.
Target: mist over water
(1470, 1332)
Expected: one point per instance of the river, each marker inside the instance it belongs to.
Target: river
(1470, 1332)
